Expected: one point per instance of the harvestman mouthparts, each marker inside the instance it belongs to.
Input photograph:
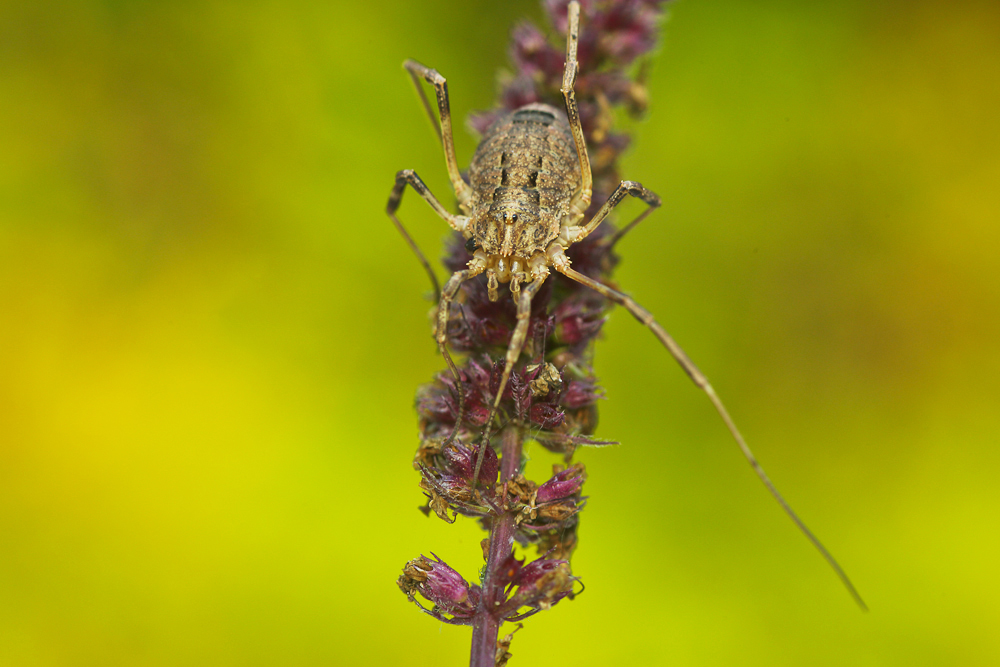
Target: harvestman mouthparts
(529, 188)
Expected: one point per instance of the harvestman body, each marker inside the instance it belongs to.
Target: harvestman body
(529, 187)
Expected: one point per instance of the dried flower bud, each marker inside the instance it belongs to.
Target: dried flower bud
(441, 585)
(547, 378)
(462, 463)
(540, 584)
(531, 53)
(503, 650)
(563, 484)
(577, 321)
(546, 415)
(630, 30)
(447, 481)
(580, 393)
(521, 488)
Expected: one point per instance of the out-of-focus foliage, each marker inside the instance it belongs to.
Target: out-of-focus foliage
(210, 337)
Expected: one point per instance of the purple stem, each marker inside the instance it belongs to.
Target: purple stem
(486, 622)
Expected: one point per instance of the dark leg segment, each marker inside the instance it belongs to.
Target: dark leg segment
(699, 379)
(462, 191)
(408, 176)
(423, 97)
(632, 188)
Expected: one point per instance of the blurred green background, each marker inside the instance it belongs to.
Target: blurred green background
(211, 335)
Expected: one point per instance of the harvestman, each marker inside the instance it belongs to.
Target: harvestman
(529, 187)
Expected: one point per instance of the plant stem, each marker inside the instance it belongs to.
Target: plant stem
(486, 624)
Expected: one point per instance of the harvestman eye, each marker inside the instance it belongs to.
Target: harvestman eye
(521, 142)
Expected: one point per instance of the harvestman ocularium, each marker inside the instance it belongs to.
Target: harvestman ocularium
(529, 187)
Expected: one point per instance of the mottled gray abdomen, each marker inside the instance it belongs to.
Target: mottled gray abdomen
(523, 175)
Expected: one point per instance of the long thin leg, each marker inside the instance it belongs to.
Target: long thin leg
(457, 222)
(581, 199)
(441, 335)
(513, 352)
(644, 316)
(632, 188)
(423, 100)
(462, 191)
(608, 243)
